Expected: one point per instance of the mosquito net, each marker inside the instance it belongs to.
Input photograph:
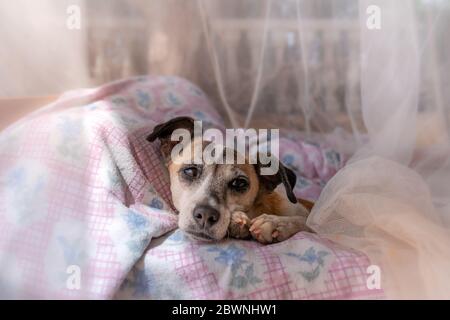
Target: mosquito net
(370, 76)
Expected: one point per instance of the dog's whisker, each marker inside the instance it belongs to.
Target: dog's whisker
(227, 235)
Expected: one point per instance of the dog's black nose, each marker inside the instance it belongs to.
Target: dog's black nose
(206, 216)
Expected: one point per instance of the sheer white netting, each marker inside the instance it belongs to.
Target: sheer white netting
(312, 65)
(387, 87)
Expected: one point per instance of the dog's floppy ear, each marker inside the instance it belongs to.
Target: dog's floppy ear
(284, 175)
(164, 131)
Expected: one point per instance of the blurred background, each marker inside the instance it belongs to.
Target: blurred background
(300, 58)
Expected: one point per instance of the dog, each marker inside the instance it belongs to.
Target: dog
(215, 201)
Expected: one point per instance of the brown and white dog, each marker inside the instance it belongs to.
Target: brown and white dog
(219, 200)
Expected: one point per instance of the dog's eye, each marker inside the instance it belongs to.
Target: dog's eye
(239, 184)
(191, 172)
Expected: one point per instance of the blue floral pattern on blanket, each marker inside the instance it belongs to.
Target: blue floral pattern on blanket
(156, 203)
(177, 238)
(138, 225)
(314, 259)
(144, 99)
(143, 283)
(119, 101)
(173, 99)
(333, 158)
(69, 144)
(140, 283)
(231, 269)
(242, 271)
(25, 193)
(73, 253)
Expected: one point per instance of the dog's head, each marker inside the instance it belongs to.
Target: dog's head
(205, 195)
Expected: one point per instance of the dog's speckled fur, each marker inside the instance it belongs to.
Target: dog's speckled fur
(266, 215)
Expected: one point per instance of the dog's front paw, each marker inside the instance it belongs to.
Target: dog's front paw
(270, 228)
(239, 226)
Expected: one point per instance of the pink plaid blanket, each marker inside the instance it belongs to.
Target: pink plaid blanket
(83, 194)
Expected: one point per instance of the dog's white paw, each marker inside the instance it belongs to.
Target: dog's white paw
(239, 225)
(270, 228)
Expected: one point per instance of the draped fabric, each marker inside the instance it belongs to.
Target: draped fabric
(371, 74)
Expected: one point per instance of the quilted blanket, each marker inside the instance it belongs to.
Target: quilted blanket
(84, 197)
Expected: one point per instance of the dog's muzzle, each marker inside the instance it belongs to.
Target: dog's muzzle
(205, 216)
